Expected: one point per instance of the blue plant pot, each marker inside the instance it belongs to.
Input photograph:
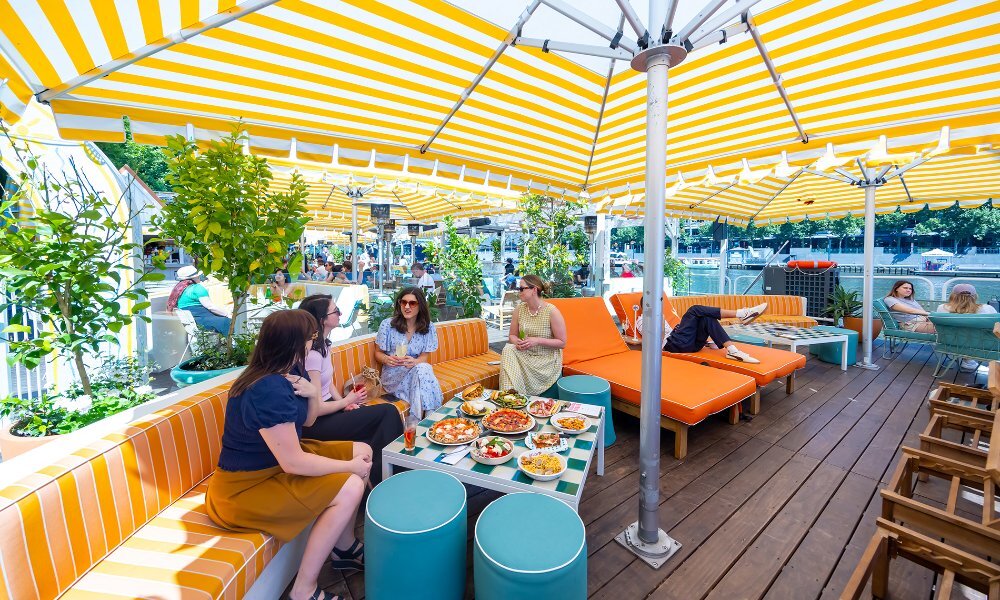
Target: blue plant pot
(185, 377)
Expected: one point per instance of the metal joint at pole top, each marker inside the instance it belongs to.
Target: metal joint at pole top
(674, 54)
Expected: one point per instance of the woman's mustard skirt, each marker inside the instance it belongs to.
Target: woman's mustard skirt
(272, 501)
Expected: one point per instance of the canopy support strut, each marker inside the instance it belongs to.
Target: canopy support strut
(511, 35)
(600, 115)
(177, 37)
(775, 77)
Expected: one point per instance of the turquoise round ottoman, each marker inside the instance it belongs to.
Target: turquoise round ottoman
(415, 534)
(831, 353)
(529, 546)
(587, 389)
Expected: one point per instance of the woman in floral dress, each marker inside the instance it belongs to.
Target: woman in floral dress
(402, 347)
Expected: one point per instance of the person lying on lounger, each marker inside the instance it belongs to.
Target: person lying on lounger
(700, 324)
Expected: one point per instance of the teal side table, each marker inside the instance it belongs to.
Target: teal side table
(747, 339)
(587, 389)
(415, 531)
(831, 353)
(529, 546)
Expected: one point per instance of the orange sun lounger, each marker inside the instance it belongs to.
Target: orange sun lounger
(690, 392)
(774, 363)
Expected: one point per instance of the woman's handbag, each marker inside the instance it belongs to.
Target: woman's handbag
(372, 381)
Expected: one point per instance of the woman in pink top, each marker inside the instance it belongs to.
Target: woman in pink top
(344, 417)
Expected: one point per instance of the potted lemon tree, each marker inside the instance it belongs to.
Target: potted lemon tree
(68, 286)
(226, 214)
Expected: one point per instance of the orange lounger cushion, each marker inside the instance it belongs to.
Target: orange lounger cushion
(774, 363)
(690, 392)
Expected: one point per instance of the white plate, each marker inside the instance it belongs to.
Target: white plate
(490, 407)
(551, 477)
(474, 452)
(428, 434)
(526, 429)
(484, 397)
(553, 421)
(530, 443)
(557, 404)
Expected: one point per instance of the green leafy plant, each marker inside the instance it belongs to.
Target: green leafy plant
(226, 215)
(843, 303)
(497, 250)
(460, 268)
(71, 267)
(432, 252)
(213, 353)
(677, 271)
(546, 251)
(336, 255)
(119, 384)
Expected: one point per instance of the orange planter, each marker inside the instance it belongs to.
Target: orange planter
(14, 445)
(857, 324)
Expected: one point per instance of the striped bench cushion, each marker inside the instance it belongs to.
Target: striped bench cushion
(456, 375)
(58, 523)
(180, 553)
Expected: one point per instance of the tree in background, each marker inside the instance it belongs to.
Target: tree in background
(148, 162)
(546, 225)
(458, 263)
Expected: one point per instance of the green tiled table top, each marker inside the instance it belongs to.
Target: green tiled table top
(783, 331)
(427, 454)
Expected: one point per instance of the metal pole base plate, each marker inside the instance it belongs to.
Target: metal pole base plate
(864, 365)
(655, 554)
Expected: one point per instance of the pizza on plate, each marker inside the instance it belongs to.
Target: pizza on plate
(507, 420)
(453, 431)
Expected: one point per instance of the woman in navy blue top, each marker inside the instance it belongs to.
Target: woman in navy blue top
(271, 480)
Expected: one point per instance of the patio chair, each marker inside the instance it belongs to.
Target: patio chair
(892, 332)
(191, 328)
(965, 337)
(498, 314)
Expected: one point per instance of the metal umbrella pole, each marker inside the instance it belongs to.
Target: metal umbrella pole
(354, 243)
(869, 282)
(644, 537)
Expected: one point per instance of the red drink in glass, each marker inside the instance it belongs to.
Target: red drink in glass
(410, 436)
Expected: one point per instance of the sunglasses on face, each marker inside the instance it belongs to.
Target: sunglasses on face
(335, 311)
(521, 289)
(408, 303)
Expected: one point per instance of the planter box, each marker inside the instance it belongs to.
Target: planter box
(15, 445)
(185, 377)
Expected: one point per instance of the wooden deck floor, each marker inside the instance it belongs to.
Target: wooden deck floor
(778, 507)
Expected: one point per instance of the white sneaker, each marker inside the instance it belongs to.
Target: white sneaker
(749, 315)
(969, 365)
(736, 354)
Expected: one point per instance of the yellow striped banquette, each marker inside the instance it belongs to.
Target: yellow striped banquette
(784, 310)
(125, 517)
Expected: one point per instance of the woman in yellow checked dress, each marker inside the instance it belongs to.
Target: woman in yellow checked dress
(532, 361)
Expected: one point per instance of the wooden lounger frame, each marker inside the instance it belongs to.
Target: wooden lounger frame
(679, 428)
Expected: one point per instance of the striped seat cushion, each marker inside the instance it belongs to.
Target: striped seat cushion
(180, 553)
(456, 375)
(784, 306)
(58, 523)
(790, 320)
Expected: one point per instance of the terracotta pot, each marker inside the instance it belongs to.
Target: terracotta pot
(14, 445)
(857, 323)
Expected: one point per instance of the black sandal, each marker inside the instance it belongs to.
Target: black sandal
(352, 558)
(321, 594)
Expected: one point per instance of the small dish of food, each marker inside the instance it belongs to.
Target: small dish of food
(551, 442)
(543, 408)
(476, 408)
(492, 450)
(508, 420)
(509, 399)
(453, 431)
(542, 465)
(570, 422)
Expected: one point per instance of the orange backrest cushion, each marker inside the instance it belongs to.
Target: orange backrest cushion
(776, 305)
(62, 520)
(458, 339)
(590, 330)
(623, 303)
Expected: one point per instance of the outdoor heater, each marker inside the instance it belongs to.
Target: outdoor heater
(414, 230)
(590, 228)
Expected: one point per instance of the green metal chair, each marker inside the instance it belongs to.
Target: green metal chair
(892, 332)
(965, 337)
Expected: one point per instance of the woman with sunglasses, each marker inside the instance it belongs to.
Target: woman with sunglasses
(403, 344)
(532, 361)
(344, 417)
(269, 478)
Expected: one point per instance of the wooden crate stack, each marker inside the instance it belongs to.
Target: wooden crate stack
(955, 448)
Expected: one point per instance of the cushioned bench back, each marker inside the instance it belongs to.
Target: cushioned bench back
(622, 304)
(590, 331)
(776, 305)
(58, 522)
(456, 339)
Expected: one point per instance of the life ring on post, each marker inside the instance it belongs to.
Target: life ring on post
(811, 264)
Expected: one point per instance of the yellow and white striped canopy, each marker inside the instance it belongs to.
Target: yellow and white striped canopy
(335, 81)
